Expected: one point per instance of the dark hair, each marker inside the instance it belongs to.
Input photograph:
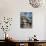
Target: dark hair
(34, 35)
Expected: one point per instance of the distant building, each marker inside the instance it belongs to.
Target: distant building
(25, 23)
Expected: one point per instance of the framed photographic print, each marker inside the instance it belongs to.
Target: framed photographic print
(26, 19)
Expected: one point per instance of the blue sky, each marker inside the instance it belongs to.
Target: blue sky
(27, 14)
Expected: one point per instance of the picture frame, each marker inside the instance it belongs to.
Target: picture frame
(26, 19)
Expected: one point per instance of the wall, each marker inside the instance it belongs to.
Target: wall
(45, 28)
(12, 8)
